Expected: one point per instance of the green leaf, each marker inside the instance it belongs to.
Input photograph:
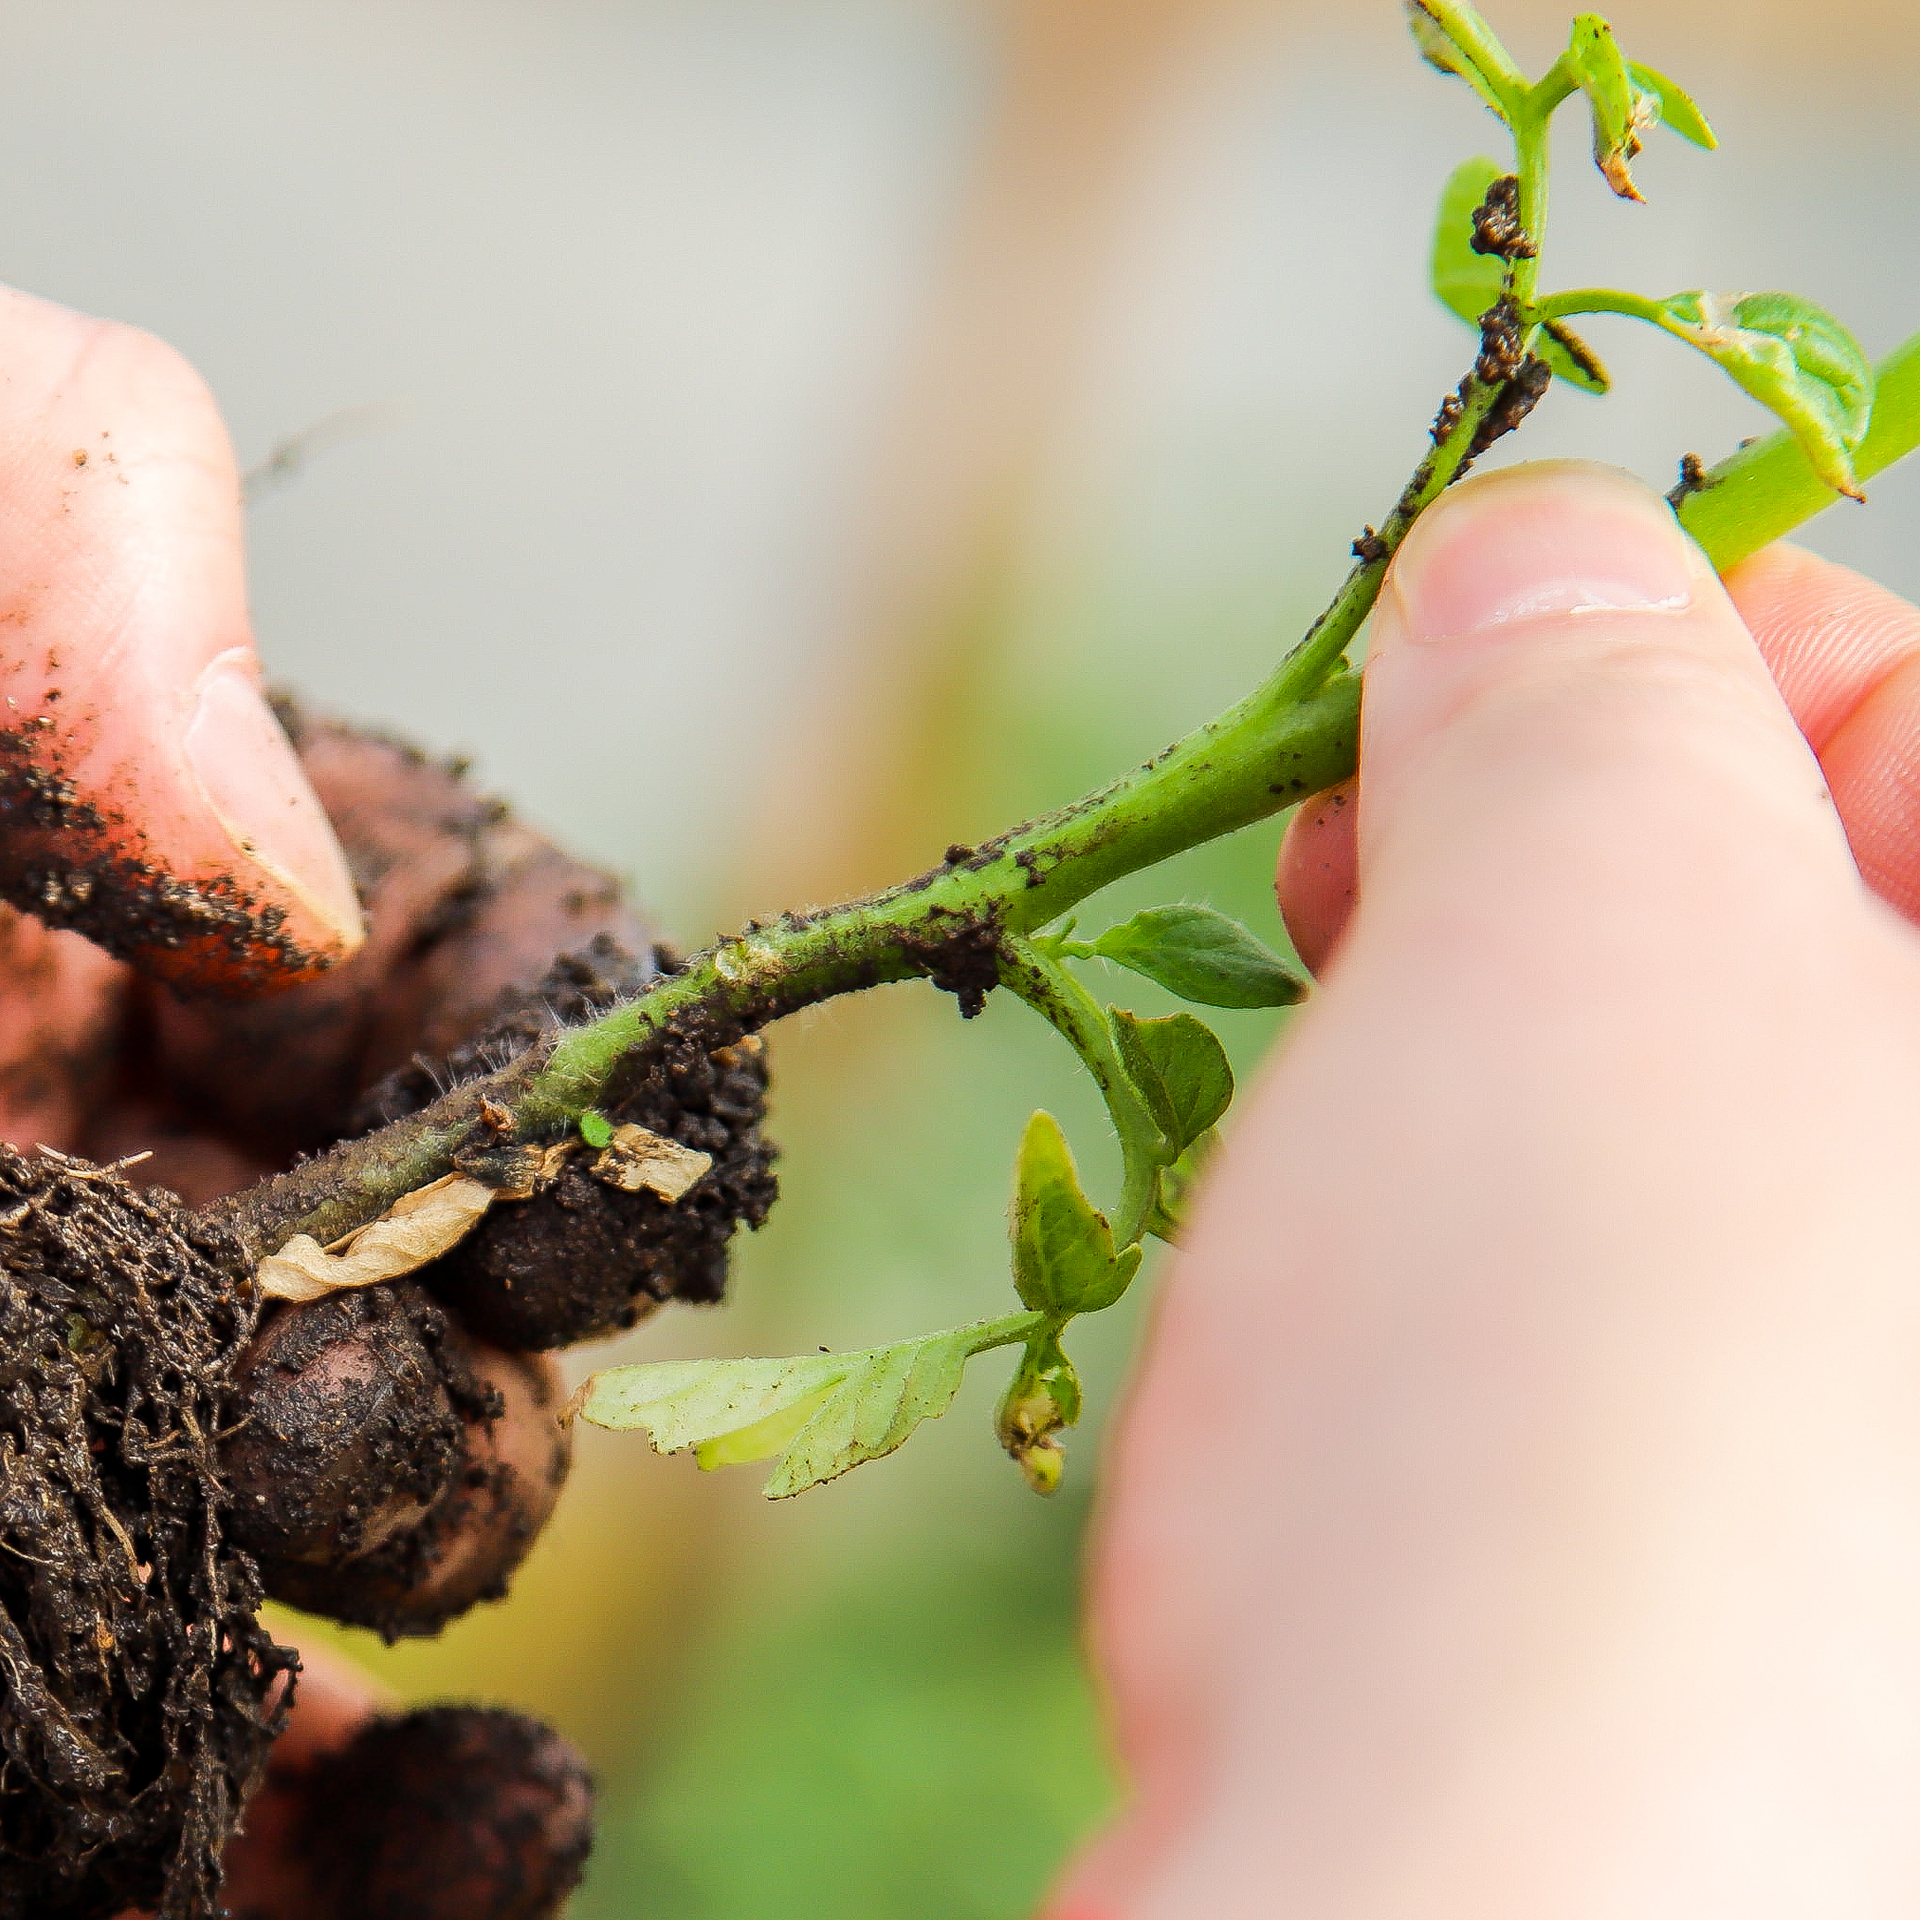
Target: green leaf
(1201, 955)
(1456, 40)
(1063, 1257)
(1793, 357)
(1042, 1398)
(1180, 1069)
(1468, 283)
(1598, 65)
(1169, 1216)
(596, 1129)
(1673, 105)
(823, 1414)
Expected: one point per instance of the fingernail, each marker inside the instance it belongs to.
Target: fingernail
(257, 788)
(1547, 539)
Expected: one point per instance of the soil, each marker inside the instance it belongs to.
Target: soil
(139, 1696)
(95, 878)
(451, 1813)
(583, 1260)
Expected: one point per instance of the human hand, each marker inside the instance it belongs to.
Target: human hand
(150, 800)
(1517, 1516)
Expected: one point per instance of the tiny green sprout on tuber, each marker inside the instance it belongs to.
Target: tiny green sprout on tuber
(996, 915)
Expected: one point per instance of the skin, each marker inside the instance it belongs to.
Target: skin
(1515, 1514)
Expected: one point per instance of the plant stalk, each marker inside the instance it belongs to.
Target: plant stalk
(1295, 735)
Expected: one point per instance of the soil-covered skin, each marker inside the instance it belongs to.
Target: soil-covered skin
(70, 865)
(450, 1813)
(395, 1470)
(384, 1457)
(583, 1260)
(139, 1695)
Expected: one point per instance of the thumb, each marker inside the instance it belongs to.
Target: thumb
(148, 798)
(1568, 728)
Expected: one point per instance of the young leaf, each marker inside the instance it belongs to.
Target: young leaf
(823, 1414)
(1456, 40)
(1595, 57)
(1180, 1069)
(1063, 1258)
(1042, 1397)
(1468, 283)
(1673, 105)
(1793, 357)
(596, 1129)
(873, 1411)
(1203, 956)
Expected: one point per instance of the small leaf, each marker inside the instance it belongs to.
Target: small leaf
(1181, 1070)
(1571, 359)
(823, 1414)
(1793, 357)
(1597, 64)
(1468, 283)
(1062, 1246)
(596, 1129)
(1042, 1398)
(1673, 105)
(1440, 47)
(1203, 956)
(1176, 1188)
(873, 1411)
(687, 1403)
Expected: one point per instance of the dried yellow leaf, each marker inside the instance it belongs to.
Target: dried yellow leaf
(638, 1159)
(418, 1227)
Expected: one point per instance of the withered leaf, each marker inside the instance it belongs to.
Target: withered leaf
(418, 1227)
(638, 1159)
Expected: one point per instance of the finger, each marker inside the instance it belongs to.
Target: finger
(1842, 650)
(467, 908)
(1604, 1091)
(1562, 700)
(61, 1001)
(148, 796)
(1318, 878)
(444, 1813)
(393, 1470)
(1846, 654)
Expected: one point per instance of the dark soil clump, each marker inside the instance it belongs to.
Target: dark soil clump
(450, 1813)
(140, 1695)
(583, 1260)
(396, 1471)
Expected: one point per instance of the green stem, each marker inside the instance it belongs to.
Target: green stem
(1295, 735)
(1066, 1005)
(1767, 489)
(1602, 300)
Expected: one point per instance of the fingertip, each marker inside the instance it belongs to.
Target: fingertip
(1317, 877)
(258, 794)
(147, 798)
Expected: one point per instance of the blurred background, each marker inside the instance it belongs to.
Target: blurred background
(777, 438)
